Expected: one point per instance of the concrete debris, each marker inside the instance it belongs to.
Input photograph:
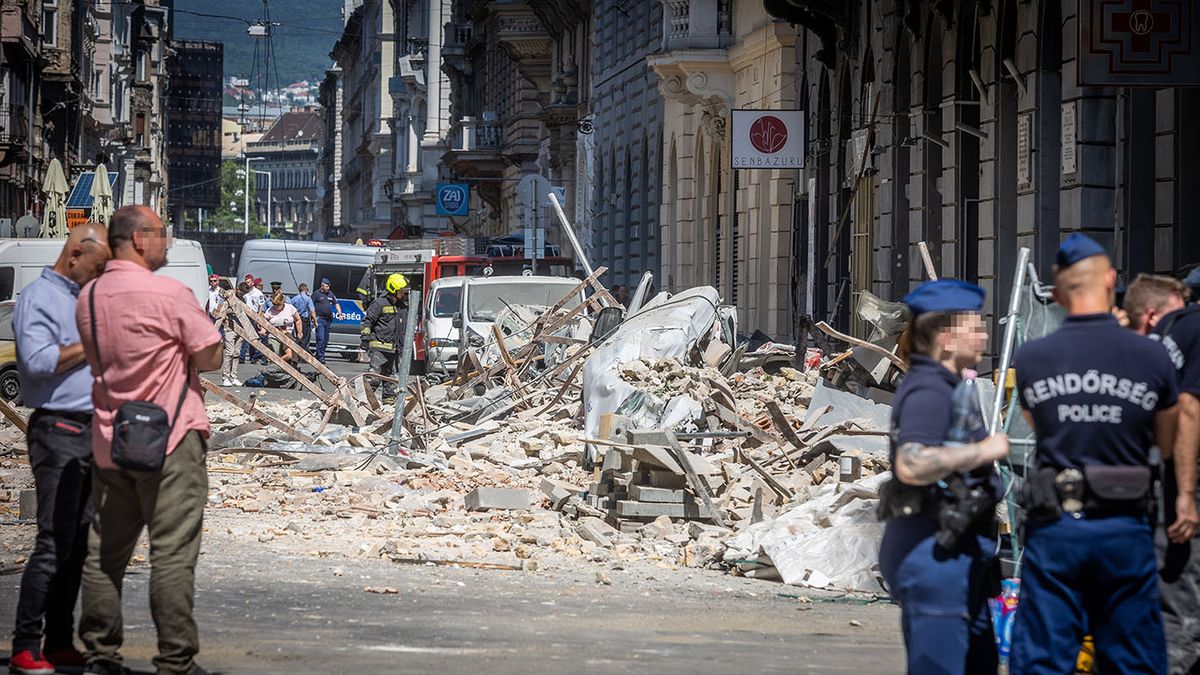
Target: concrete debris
(669, 442)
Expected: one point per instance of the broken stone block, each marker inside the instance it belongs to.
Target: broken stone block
(659, 527)
(559, 492)
(597, 531)
(487, 499)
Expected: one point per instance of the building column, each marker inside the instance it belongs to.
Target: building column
(433, 75)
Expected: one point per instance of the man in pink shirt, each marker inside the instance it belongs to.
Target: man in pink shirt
(153, 340)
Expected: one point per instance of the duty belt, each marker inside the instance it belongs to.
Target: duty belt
(1094, 490)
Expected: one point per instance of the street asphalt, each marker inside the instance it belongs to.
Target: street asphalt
(261, 611)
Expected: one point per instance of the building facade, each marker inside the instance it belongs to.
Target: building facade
(22, 154)
(291, 155)
(365, 53)
(629, 120)
(194, 127)
(420, 92)
(982, 141)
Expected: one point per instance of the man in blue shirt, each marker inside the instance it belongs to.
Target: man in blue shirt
(325, 305)
(308, 317)
(57, 383)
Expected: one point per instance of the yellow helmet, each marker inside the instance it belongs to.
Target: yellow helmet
(396, 283)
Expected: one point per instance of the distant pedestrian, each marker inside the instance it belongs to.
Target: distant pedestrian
(257, 301)
(230, 339)
(215, 299)
(146, 340)
(57, 384)
(325, 306)
(284, 316)
(276, 287)
(303, 303)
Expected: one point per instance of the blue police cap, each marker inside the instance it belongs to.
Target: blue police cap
(325, 281)
(945, 295)
(1075, 248)
(1192, 280)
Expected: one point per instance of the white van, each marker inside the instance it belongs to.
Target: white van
(486, 297)
(293, 263)
(22, 260)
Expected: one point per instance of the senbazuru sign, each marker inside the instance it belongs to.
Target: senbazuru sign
(768, 139)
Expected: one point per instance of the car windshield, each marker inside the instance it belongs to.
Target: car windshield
(485, 301)
(6, 329)
(446, 301)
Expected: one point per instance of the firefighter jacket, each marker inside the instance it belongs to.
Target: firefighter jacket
(383, 326)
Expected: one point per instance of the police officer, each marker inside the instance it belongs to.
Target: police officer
(383, 331)
(940, 576)
(1160, 302)
(1098, 397)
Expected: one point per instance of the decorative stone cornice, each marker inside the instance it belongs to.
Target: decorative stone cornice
(521, 34)
(699, 78)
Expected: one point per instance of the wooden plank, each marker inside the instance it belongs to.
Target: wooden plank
(287, 368)
(563, 389)
(300, 352)
(896, 360)
(770, 480)
(259, 415)
(11, 414)
(781, 423)
(693, 479)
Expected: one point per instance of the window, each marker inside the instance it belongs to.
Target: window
(49, 25)
(343, 279)
(8, 276)
(446, 301)
(143, 67)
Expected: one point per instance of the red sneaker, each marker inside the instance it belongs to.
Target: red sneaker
(68, 657)
(28, 663)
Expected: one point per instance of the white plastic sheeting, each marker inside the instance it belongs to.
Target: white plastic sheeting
(667, 326)
(831, 541)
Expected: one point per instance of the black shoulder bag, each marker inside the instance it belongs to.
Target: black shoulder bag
(141, 429)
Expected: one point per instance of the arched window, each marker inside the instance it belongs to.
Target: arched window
(901, 167)
(932, 142)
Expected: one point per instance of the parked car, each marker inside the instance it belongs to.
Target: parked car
(10, 385)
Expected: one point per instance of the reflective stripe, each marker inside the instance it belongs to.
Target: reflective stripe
(365, 331)
(362, 291)
(376, 344)
(390, 309)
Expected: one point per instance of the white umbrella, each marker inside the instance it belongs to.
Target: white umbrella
(102, 196)
(54, 218)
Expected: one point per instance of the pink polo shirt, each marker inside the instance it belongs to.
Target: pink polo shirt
(149, 326)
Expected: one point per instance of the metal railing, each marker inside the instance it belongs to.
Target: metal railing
(14, 124)
(476, 134)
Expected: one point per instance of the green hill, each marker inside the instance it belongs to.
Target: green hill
(302, 41)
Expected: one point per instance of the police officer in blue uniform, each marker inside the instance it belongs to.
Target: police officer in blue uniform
(938, 554)
(1098, 397)
(1168, 318)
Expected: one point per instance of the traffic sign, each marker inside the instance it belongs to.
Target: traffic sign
(453, 199)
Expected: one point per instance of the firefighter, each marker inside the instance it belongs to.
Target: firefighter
(383, 331)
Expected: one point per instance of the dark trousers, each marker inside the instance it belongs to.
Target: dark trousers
(384, 363)
(171, 505)
(60, 452)
(306, 336)
(323, 324)
(1089, 575)
(942, 595)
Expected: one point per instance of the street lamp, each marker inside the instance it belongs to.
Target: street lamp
(269, 205)
(246, 228)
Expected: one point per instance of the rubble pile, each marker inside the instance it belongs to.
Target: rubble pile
(658, 442)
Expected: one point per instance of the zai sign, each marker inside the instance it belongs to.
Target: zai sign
(768, 139)
(453, 199)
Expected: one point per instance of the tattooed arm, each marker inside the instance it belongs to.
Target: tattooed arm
(918, 464)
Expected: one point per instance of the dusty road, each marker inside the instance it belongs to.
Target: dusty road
(266, 611)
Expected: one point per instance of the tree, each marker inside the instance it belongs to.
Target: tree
(228, 217)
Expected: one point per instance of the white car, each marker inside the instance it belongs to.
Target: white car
(447, 309)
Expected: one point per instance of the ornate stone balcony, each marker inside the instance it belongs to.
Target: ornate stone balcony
(697, 24)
